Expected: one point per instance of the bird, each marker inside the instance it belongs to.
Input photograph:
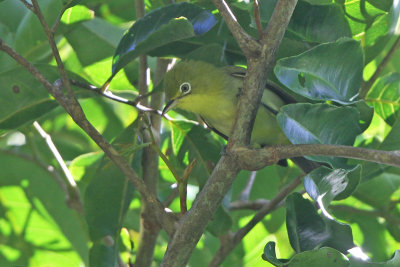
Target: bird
(212, 92)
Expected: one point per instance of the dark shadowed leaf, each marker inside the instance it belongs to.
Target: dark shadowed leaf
(308, 230)
(159, 27)
(270, 255)
(331, 71)
(320, 124)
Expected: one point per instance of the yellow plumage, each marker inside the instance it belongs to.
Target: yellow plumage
(212, 92)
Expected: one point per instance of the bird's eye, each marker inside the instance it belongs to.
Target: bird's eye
(185, 88)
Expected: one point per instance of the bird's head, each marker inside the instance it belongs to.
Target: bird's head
(188, 84)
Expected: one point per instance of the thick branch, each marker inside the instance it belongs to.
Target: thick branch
(192, 225)
(255, 159)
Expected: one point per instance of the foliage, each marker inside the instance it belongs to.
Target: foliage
(333, 59)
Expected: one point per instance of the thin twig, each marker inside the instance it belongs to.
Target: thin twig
(74, 198)
(257, 18)
(28, 5)
(366, 86)
(225, 249)
(54, 49)
(182, 185)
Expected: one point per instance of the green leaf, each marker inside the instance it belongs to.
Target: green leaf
(36, 207)
(22, 98)
(302, 125)
(308, 230)
(270, 255)
(393, 262)
(327, 257)
(94, 40)
(385, 97)
(160, 27)
(331, 71)
(197, 144)
(30, 39)
(324, 184)
(109, 193)
(319, 2)
(313, 23)
(179, 130)
(102, 255)
(77, 14)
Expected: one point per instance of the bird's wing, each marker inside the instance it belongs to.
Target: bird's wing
(212, 128)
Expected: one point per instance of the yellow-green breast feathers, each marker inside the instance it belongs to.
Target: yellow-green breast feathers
(211, 92)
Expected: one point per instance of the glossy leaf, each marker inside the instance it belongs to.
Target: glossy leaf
(385, 97)
(270, 255)
(324, 184)
(302, 125)
(331, 71)
(313, 23)
(308, 230)
(162, 26)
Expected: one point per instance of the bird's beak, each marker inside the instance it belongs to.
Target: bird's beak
(170, 105)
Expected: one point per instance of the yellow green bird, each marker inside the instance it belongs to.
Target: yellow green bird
(212, 92)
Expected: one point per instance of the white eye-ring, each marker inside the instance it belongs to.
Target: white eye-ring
(185, 88)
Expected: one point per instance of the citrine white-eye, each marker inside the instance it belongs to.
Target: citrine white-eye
(212, 92)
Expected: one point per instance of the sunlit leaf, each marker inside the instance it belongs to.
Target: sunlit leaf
(331, 71)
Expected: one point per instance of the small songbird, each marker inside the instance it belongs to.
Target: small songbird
(212, 92)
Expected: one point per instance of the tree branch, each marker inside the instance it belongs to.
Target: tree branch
(245, 41)
(227, 247)
(255, 159)
(208, 200)
(167, 220)
(56, 54)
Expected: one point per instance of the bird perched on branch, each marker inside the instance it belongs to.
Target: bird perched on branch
(212, 92)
